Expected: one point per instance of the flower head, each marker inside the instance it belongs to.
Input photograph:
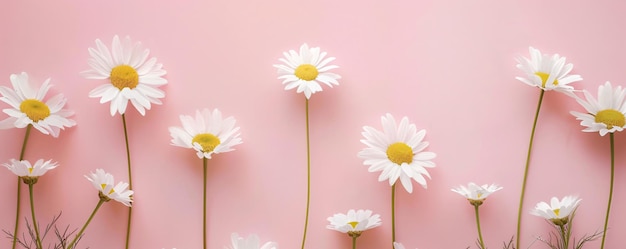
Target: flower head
(306, 69)
(208, 133)
(28, 107)
(252, 242)
(558, 211)
(354, 222)
(548, 72)
(103, 182)
(397, 151)
(30, 172)
(607, 114)
(132, 76)
(476, 194)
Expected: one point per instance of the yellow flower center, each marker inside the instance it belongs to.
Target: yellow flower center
(35, 109)
(544, 78)
(400, 153)
(306, 72)
(353, 224)
(124, 76)
(610, 118)
(104, 185)
(207, 141)
(30, 171)
(556, 212)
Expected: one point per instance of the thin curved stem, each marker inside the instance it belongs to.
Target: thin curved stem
(480, 234)
(130, 181)
(530, 148)
(608, 205)
(308, 174)
(354, 242)
(82, 230)
(32, 212)
(19, 188)
(204, 183)
(393, 214)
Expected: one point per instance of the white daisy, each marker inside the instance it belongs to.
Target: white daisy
(306, 69)
(29, 108)
(208, 133)
(30, 172)
(607, 113)
(476, 194)
(354, 222)
(252, 242)
(558, 211)
(132, 76)
(104, 183)
(548, 72)
(397, 151)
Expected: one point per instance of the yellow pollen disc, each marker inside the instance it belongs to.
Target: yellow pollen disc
(30, 171)
(556, 211)
(353, 224)
(610, 118)
(124, 76)
(479, 195)
(35, 109)
(400, 153)
(207, 141)
(103, 185)
(306, 72)
(544, 78)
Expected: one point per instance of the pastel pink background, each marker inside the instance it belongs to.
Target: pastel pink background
(447, 65)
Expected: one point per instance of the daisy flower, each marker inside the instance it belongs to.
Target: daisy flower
(476, 194)
(305, 70)
(104, 183)
(397, 151)
(607, 113)
(30, 172)
(28, 107)
(208, 133)
(132, 76)
(354, 222)
(252, 242)
(548, 72)
(558, 211)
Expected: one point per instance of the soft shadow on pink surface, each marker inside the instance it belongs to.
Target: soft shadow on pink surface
(449, 66)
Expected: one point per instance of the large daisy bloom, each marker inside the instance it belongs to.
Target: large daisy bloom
(208, 133)
(30, 172)
(605, 114)
(354, 222)
(252, 242)
(28, 107)
(104, 183)
(475, 193)
(397, 151)
(548, 72)
(558, 211)
(306, 69)
(132, 76)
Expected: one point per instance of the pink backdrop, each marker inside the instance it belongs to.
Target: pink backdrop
(447, 65)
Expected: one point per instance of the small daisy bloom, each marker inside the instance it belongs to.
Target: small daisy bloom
(252, 242)
(397, 151)
(306, 69)
(607, 113)
(476, 194)
(28, 107)
(558, 211)
(132, 76)
(548, 72)
(208, 133)
(104, 183)
(354, 222)
(30, 172)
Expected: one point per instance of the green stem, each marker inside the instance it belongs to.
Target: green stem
(130, 181)
(393, 214)
(608, 205)
(564, 237)
(204, 180)
(480, 234)
(354, 242)
(19, 188)
(530, 147)
(308, 174)
(82, 230)
(32, 212)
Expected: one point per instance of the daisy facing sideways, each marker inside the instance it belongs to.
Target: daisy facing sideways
(476, 194)
(605, 114)
(354, 222)
(30, 172)
(558, 211)
(548, 72)
(104, 183)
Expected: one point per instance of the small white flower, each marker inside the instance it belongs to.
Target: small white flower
(558, 211)
(354, 221)
(252, 242)
(476, 194)
(548, 72)
(607, 114)
(25, 169)
(104, 183)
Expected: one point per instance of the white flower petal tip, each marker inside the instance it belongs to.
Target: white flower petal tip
(548, 72)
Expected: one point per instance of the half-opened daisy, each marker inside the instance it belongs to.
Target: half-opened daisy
(476, 194)
(558, 211)
(104, 183)
(548, 72)
(132, 76)
(208, 133)
(252, 242)
(607, 113)
(354, 222)
(30, 172)
(28, 107)
(397, 151)
(304, 70)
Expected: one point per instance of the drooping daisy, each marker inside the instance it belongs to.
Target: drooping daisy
(476, 194)
(208, 133)
(29, 108)
(252, 242)
(30, 172)
(306, 69)
(558, 211)
(397, 151)
(607, 113)
(354, 222)
(548, 72)
(132, 76)
(104, 183)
